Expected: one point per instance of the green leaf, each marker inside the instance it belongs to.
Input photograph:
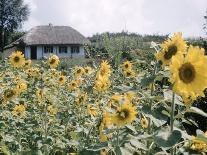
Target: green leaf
(167, 139)
(147, 80)
(138, 144)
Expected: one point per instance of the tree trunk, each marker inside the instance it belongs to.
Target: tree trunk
(1, 40)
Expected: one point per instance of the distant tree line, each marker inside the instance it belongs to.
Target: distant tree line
(12, 14)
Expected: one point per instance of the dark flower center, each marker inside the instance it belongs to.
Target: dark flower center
(172, 50)
(52, 61)
(16, 59)
(9, 94)
(79, 71)
(123, 114)
(129, 74)
(187, 73)
(126, 65)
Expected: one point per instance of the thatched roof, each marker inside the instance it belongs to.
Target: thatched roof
(52, 35)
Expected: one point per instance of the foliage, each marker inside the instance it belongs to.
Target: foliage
(95, 109)
(12, 14)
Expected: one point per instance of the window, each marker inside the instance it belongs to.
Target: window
(63, 49)
(48, 49)
(75, 49)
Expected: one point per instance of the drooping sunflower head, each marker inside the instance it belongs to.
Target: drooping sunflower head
(10, 94)
(53, 61)
(28, 63)
(40, 93)
(127, 65)
(125, 114)
(144, 123)
(102, 84)
(188, 73)
(17, 59)
(105, 69)
(92, 111)
(81, 98)
(172, 47)
(129, 73)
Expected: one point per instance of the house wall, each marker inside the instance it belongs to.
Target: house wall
(27, 52)
(41, 54)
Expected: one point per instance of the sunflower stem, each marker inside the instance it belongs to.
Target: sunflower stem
(117, 137)
(172, 118)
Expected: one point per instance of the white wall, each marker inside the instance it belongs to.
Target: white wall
(80, 54)
(41, 54)
(27, 52)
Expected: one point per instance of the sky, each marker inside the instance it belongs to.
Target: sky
(139, 16)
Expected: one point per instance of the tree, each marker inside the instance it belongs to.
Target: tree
(12, 14)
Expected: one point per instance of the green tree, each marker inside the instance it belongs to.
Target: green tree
(12, 14)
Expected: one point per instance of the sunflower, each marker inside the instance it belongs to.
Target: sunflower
(17, 59)
(10, 94)
(92, 111)
(105, 69)
(79, 71)
(53, 61)
(188, 73)
(125, 114)
(102, 84)
(52, 110)
(129, 73)
(88, 70)
(199, 145)
(81, 98)
(73, 85)
(127, 65)
(21, 86)
(61, 80)
(33, 72)
(172, 47)
(40, 93)
(19, 110)
(27, 63)
(144, 123)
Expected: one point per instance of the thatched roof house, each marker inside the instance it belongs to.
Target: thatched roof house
(41, 41)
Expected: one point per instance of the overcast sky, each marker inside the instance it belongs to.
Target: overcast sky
(139, 16)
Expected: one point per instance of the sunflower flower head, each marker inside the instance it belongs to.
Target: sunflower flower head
(52, 110)
(73, 85)
(9, 94)
(53, 61)
(125, 114)
(21, 86)
(79, 71)
(171, 47)
(28, 63)
(127, 65)
(188, 73)
(17, 59)
(92, 111)
(61, 80)
(19, 110)
(144, 123)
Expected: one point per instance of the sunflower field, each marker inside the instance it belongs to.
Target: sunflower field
(104, 109)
